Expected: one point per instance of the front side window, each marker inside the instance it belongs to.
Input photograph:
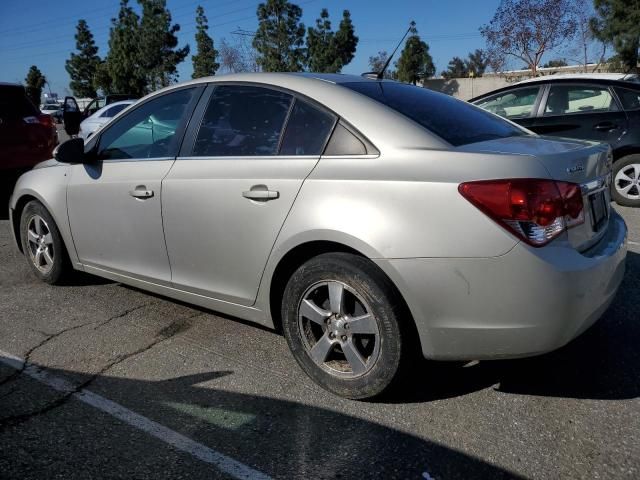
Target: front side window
(455, 121)
(565, 99)
(242, 121)
(512, 104)
(307, 130)
(148, 131)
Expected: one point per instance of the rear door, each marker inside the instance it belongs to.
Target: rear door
(584, 111)
(227, 196)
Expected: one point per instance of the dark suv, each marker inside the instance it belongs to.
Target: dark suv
(27, 136)
(583, 107)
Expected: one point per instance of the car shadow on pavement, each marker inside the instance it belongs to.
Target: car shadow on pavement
(603, 363)
(281, 438)
(7, 182)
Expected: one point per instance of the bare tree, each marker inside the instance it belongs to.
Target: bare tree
(526, 29)
(586, 49)
(238, 56)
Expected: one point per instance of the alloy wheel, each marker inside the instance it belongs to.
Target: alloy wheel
(40, 244)
(627, 181)
(339, 330)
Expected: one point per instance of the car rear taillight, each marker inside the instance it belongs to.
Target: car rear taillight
(46, 120)
(535, 210)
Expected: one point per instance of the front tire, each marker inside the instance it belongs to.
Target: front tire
(625, 188)
(42, 244)
(342, 321)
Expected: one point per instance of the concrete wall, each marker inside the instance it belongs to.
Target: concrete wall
(466, 88)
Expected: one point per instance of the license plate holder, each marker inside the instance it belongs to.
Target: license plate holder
(599, 210)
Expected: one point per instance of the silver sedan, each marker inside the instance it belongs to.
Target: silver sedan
(369, 220)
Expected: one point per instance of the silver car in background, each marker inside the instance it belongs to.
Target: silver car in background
(369, 220)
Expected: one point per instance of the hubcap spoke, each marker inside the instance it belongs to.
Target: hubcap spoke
(365, 324)
(38, 258)
(357, 363)
(48, 240)
(32, 236)
(626, 188)
(47, 257)
(310, 310)
(623, 176)
(37, 225)
(336, 292)
(320, 350)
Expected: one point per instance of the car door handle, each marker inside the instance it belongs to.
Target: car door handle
(261, 193)
(141, 192)
(605, 126)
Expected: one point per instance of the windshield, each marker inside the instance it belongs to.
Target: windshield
(455, 121)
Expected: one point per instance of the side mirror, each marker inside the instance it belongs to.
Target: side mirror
(72, 116)
(71, 151)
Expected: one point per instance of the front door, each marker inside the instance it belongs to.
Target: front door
(588, 112)
(115, 204)
(226, 200)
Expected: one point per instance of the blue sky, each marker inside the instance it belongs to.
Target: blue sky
(42, 32)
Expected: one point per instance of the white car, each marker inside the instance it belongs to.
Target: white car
(102, 116)
(52, 109)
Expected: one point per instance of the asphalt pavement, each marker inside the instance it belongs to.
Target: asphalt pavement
(123, 384)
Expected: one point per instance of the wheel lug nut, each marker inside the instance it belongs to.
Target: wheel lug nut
(344, 338)
(332, 335)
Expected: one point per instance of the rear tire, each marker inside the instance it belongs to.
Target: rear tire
(625, 187)
(342, 319)
(42, 244)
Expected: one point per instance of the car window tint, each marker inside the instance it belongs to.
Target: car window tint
(113, 111)
(517, 103)
(307, 130)
(147, 131)
(564, 99)
(455, 121)
(242, 121)
(630, 99)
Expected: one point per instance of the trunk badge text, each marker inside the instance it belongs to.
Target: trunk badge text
(578, 167)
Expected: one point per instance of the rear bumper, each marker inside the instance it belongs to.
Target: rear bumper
(524, 303)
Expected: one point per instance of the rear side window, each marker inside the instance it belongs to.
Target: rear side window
(113, 111)
(454, 121)
(307, 130)
(630, 99)
(517, 103)
(565, 99)
(242, 121)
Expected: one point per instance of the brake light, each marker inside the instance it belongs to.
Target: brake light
(535, 210)
(46, 120)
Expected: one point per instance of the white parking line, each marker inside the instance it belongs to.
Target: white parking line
(225, 464)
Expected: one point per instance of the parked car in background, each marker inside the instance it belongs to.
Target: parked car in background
(27, 136)
(53, 109)
(372, 220)
(590, 107)
(101, 102)
(102, 116)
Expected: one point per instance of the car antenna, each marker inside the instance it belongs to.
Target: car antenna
(380, 75)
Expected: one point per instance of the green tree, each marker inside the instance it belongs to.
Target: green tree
(346, 40)
(618, 22)
(82, 66)
(102, 78)
(415, 62)
(158, 44)
(477, 62)
(126, 74)
(204, 61)
(457, 68)
(34, 83)
(558, 62)
(280, 37)
(329, 51)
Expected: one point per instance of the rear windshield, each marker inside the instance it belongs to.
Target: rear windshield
(14, 103)
(454, 121)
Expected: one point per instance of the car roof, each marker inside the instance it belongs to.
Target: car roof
(627, 77)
